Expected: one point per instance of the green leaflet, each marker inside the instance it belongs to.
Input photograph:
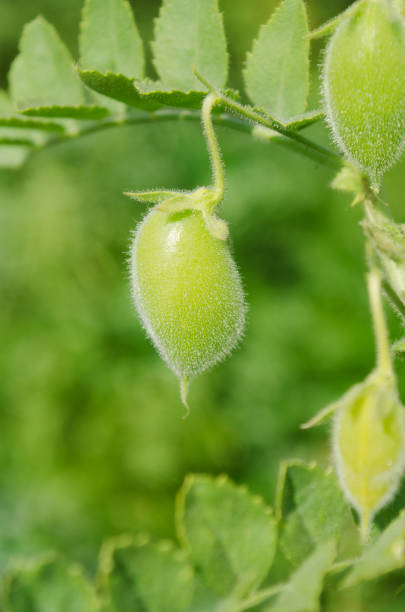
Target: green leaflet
(303, 590)
(364, 86)
(10, 119)
(203, 599)
(109, 39)
(277, 68)
(386, 554)
(15, 140)
(152, 197)
(55, 111)
(31, 124)
(330, 26)
(188, 34)
(230, 535)
(304, 120)
(47, 585)
(118, 87)
(43, 81)
(146, 95)
(19, 135)
(135, 576)
(311, 508)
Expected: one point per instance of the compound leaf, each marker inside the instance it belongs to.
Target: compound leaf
(118, 87)
(384, 555)
(304, 120)
(46, 585)
(277, 68)
(302, 592)
(330, 26)
(109, 39)
(135, 576)
(146, 95)
(42, 78)
(55, 111)
(229, 534)
(188, 34)
(311, 508)
(19, 135)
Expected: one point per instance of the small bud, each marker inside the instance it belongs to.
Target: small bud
(369, 445)
(369, 427)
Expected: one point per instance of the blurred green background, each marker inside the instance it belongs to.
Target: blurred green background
(92, 439)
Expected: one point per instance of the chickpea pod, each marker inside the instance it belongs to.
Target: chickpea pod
(364, 86)
(187, 291)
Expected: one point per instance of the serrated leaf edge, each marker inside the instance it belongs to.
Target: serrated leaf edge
(249, 55)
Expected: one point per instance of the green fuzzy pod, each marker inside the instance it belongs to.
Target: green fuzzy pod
(187, 291)
(364, 86)
(369, 445)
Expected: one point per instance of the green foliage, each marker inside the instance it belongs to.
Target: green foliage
(135, 576)
(190, 34)
(230, 536)
(229, 540)
(118, 87)
(277, 69)
(235, 554)
(384, 555)
(311, 507)
(109, 39)
(302, 592)
(45, 585)
(43, 80)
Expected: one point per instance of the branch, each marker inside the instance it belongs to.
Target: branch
(281, 136)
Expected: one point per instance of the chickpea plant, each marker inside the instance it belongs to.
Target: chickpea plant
(331, 529)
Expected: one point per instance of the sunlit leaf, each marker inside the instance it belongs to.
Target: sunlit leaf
(188, 34)
(109, 39)
(277, 68)
(48, 584)
(229, 534)
(140, 577)
(42, 77)
(304, 588)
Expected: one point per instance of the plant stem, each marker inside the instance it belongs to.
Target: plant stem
(269, 122)
(212, 143)
(288, 140)
(384, 364)
(259, 597)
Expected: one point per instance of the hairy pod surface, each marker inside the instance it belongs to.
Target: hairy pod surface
(364, 86)
(187, 290)
(369, 445)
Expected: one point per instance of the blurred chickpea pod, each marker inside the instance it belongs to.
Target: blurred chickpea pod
(369, 445)
(364, 86)
(368, 441)
(187, 289)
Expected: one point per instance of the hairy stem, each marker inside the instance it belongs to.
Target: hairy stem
(384, 364)
(332, 158)
(259, 597)
(289, 140)
(212, 143)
